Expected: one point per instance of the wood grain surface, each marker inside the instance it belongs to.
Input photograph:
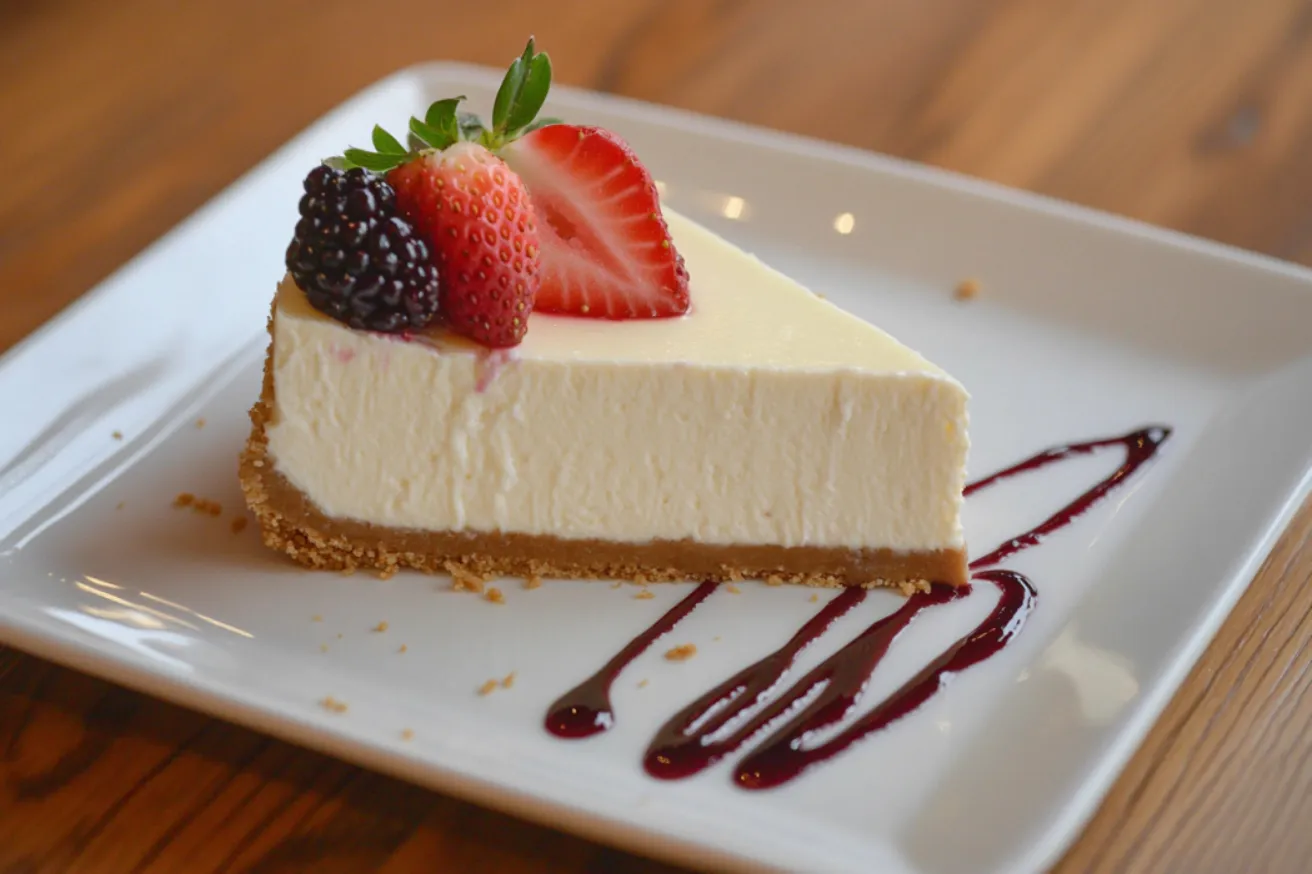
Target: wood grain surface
(119, 118)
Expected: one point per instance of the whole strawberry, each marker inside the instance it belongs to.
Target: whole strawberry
(469, 207)
(474, 214)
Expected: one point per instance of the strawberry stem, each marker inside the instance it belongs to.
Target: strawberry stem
(520, 97)
(522, 93)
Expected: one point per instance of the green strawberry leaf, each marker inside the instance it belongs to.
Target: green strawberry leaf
(372, 160)
(521, 96)
(385, 143)
(532, 93)
(441, 116)
(433, 137)
(510, 87)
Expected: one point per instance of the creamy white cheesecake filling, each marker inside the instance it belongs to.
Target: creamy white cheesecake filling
(766, 416)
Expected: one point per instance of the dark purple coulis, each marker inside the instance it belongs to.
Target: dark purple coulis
(1140, 447)
(585, 710)
(784, 755)
(686, 743)
(705, 731)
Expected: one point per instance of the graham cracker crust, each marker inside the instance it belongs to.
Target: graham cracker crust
(291, 524)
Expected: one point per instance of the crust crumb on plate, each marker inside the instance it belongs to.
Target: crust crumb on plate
(332, 705)
(407, 734)
(203, 506)
(380, 627)
(494, 595)
(508, 680)
(488, 688)
(681, 653)
(533, 582)
(645, 595)
(967, 289)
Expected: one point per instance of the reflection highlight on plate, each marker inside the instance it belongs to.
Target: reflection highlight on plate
(141, 609)
(125, 616)
(144, 641)
(844, 223)
(1104, 681)
(136, 612)
(210, 619)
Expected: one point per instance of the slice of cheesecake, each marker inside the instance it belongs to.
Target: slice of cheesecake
(767, 433)
(496, 353)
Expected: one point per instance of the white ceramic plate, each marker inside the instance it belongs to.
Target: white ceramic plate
(1087, 326)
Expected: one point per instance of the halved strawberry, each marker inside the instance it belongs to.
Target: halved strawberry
(606, 251)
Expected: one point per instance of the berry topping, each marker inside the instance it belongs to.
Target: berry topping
(569, 222)
(475, 215)
(606, 251)
(356, 259)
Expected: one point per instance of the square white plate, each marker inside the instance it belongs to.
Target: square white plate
(1087, 326)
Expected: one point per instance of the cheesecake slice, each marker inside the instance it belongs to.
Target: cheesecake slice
(495, 352)
(767, 433)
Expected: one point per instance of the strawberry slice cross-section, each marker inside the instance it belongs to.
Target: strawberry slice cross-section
(606, 251)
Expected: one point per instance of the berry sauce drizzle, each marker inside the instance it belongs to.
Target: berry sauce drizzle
(718, 722)
(678, 752)
(585, 710)
(844, 675)
(1140, 446)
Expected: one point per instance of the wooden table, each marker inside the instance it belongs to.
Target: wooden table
(119, 118)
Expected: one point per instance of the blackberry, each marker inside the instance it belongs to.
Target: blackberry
(356, 259)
